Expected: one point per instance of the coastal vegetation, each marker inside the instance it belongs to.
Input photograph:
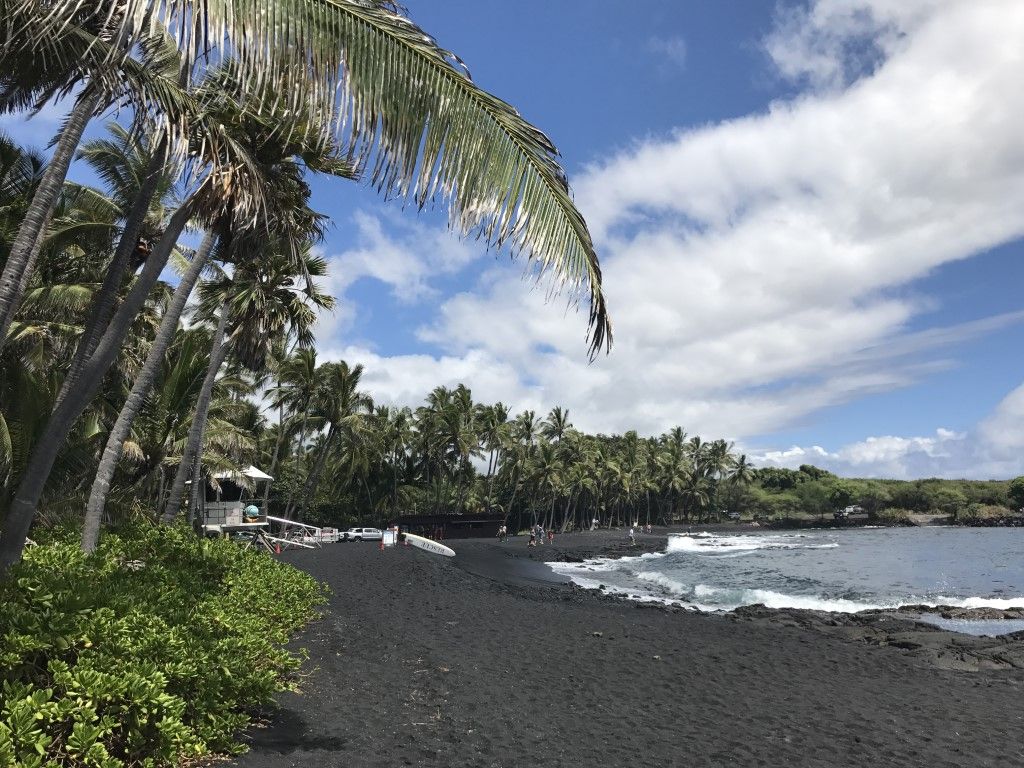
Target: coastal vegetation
(151, 650)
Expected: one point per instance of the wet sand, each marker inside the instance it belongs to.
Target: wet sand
(488, 659)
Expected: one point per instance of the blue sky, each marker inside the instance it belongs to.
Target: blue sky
(809, 215)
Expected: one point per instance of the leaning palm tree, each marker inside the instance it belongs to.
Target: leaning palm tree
(260, 301)
(237, 177)
(342, 408)
(41, 62)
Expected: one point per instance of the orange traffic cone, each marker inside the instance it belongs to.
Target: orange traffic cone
(382, 545)
(277, 548)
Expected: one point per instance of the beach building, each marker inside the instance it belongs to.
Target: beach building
(450, 526)
(225, 500)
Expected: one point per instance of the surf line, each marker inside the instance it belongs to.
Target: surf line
(427, 545)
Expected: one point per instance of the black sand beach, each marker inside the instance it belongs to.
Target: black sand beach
(482, 661)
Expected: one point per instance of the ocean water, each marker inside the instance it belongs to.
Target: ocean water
(832, 570)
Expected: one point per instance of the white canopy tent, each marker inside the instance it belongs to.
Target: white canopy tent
(250, 472)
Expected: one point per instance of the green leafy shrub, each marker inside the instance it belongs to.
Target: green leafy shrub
(153, 649)
(894, 516)
(979, 512)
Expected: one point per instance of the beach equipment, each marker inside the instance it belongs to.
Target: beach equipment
(427, 545)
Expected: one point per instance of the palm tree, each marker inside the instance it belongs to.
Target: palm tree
(556, 425)
(235, 181)
(742, 471)
(297, 384)
(136, 398)
(494, 434)
(42, 62)
(268, 292)
(341, 407)
(259, 302)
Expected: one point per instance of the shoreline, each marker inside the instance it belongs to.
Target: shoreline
(429, 661)
(904, 627)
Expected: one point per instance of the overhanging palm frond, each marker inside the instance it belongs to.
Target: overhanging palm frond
(416, 121)
(408, 113)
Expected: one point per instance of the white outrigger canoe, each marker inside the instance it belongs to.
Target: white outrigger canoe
(427, 545)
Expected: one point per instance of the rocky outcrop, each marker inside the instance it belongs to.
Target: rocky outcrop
(899, 629)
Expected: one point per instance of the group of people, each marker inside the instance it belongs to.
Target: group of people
(537, 536)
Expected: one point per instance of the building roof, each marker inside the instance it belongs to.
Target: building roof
(251, 472)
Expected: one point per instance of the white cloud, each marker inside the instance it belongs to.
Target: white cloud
(992, 449)
(407, 256)
(752, 266)
(405, 261)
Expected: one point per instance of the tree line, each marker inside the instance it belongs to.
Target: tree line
(110, 402)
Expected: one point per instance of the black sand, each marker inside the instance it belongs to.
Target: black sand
(419, 661)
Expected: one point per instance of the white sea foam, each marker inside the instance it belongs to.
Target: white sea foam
(697, 574)
(713, 544)
(709, 598)
(673, 586)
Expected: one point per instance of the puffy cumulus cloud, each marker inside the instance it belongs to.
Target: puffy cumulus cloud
(752, 266)
(830, 43)
(404, 254)
(994, 448)
(885, 456)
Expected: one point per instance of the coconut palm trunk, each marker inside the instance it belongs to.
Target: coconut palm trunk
(279, 443)
(33, 480)
(291, 505)
(137, 397)
(194, 444)
(25, 248)
(102, 306)
(198, 483)
(309, 490)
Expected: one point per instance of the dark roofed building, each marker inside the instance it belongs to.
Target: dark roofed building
(450, 526)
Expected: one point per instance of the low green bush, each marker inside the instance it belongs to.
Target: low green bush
(894, 515)
(153, 649)
(981, 512)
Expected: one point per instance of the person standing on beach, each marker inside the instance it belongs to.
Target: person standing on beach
(533, 538)
(632, 536)
(551, 536)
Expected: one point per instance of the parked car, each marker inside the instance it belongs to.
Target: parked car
(733, 515)
(363, 534)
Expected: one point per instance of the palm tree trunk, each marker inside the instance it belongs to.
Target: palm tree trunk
(22, 509)
(290, 507)
(25, 248)
(565, 515)
(194, 445)
(277, 452)
(102, 305)
(160, 486)
(309, 490)
(197, 484)
(137, 397)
